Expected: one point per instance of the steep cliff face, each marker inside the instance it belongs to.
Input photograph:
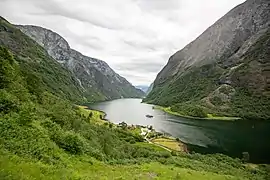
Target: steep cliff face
(92, 74)
(225, 70)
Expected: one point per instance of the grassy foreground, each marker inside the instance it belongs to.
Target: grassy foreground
(14, 167)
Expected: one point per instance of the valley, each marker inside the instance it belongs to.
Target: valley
(66, 115)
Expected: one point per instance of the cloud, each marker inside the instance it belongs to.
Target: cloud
(161, 5)
(135, 37)
(140, 67)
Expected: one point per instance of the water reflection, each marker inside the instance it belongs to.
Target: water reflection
(205, 136)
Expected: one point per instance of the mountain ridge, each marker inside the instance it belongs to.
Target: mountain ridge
(204, 76)
(210, 48)
(90, 73)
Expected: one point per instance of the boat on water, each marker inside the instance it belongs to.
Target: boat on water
(149, 116)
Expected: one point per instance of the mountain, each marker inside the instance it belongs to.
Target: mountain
(142, 87)
(225, 71)
(91, 74)
(38, 68)
(146, 89)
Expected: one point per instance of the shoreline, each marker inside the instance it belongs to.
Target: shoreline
(167, 139)
(211, 117)
(186, 148)
(104, 114)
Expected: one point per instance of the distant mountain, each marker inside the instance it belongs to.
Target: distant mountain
(142, 87)
(225, 71)
(146, 89)
(94, 77)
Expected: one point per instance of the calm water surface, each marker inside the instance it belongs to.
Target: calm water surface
(204, 136)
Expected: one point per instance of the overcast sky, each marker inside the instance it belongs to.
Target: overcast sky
(135, 37)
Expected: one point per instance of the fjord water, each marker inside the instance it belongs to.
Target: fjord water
(204, 136)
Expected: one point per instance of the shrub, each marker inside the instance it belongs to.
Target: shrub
(174, 153)
(132, 141)
(72, 143)
(165, 154)
(8, 103)
(110, 125)
(90, 115)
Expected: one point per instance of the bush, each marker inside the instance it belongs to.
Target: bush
(165, 154)
(90, 115)
(28, 141)
(8, 102)
(67, 140)
(110, 125)
(72, 143)
(174, 153)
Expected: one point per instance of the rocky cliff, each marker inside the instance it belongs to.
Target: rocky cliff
(92, 74)
(225, 70)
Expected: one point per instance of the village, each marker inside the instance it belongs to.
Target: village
(153, 137)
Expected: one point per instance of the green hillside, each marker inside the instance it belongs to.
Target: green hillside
(40, 71)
